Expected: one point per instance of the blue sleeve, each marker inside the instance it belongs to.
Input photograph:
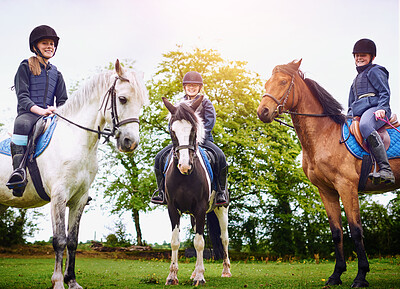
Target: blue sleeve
(21, 83)
(209, 116)
(351, 100)
(378, 77)
(61, 91)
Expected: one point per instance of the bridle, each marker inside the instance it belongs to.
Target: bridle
(281, 104)
(190, 147)
(110, 95)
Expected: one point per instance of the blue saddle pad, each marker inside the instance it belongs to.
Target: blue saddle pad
(42, 142)
(357, 151)
(205, 159)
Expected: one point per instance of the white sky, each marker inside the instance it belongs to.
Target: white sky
(264, 33)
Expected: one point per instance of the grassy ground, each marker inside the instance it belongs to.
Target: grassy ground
(121, 273)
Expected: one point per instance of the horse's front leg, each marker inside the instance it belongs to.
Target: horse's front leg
(332, 207)
(352, 209)
(222, 215)
(75, 214)
(58, 205)
(172, 278)
(198, 273)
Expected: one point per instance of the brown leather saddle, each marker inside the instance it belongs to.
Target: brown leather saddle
(355, 130)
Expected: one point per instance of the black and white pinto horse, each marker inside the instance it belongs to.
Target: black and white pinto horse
(69, 164)
(188, 190)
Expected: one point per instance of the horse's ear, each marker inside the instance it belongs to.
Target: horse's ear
(297, 63)
(118, 68)
(197, 102)
(168, 105)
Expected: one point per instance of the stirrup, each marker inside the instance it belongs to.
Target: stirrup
(17, 179)
(157, 199)
(221, 203)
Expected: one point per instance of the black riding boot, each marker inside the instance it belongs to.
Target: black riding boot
(158, 197)
(377, 148)
(221, 196)
(17, 181)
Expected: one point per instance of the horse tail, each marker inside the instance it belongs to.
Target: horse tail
(214, 231)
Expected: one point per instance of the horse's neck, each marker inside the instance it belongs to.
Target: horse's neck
(311, 130)
(87, 111)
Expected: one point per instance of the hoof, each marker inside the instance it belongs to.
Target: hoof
(333, 281)
(360, 284)
(172, 282)
(226, 275)
(198, 282)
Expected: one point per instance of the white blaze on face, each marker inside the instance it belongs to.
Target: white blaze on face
(182, 129)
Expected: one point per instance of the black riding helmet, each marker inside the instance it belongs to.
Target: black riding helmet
(365, 46)
(39, 33)
(192, 77)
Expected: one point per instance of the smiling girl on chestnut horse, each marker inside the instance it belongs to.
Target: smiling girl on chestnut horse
(327, 163)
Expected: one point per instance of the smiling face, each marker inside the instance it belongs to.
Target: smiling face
(192, 89)
(46, 47)
(362, 59)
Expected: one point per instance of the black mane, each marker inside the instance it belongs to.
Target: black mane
(184, 112)
(330, 105)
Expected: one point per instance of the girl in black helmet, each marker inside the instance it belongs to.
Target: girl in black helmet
(369, 99)
(192, 84)
(39, 86)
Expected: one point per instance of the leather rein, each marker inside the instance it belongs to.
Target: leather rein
(114, 131)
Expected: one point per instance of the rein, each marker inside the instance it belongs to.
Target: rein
(107, 133)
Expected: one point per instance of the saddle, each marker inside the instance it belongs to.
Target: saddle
(355, 130)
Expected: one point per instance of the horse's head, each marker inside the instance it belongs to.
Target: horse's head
(125, 98)
(187, 130)
(280, 93)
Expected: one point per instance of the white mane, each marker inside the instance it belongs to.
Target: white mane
(100, 83)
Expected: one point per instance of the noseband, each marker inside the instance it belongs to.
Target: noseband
(116, 124)
(281, 104)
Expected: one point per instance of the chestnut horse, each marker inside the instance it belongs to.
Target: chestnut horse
(327, 163)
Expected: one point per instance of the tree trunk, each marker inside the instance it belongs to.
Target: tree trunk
(135, 215)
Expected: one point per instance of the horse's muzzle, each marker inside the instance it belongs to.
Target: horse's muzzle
(264, 114)
(127, 145)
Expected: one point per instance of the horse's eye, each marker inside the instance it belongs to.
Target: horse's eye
(122, 99)
(283, 82)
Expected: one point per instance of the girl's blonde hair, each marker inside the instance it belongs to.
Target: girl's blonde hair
(34, 65)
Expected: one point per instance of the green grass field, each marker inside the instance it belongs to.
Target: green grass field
(119, 273)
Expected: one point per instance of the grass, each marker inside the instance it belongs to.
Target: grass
(120, 273)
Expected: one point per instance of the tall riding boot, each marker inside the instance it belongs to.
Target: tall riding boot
(221, 198)
(158, 197)
(17, 181)
(377, 148)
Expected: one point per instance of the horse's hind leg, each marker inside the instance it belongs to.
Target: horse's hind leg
(75, 214)
(172, 278)
(58, 205)
(222, 215)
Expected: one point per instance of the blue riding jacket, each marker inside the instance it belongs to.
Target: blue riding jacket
(46, 89)
(369, 89)
(207, 113)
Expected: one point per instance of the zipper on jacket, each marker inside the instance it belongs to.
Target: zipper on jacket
(46, 89)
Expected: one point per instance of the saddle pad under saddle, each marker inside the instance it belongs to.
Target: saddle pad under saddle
(205, 159)
(356, 150)
(42, 143)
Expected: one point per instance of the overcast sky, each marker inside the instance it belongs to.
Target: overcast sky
(264, 33)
